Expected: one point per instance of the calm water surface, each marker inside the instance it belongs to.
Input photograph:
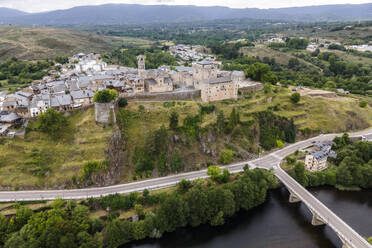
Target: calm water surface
(276, 224)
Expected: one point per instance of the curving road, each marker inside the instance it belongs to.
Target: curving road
(264, 162)
(349, 237)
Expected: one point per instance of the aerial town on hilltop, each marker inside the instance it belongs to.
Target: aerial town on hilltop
(74, 86)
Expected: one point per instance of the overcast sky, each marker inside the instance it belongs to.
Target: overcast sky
(45, 5)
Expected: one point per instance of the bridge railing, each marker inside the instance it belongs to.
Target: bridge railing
(331, 220)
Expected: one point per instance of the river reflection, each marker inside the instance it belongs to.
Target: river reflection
(276, 224)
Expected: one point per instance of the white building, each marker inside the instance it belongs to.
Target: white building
(316, 161)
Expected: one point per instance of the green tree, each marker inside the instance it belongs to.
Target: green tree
(279, 143)
(214, 171)
(261, 72)
(173, 120)
(123, 102)
(53, 123)
(295, 97)
(226, 156)
(61, 59)
(172, 213)
(363, 104)
(176, 161)
(267, 88)
(105, 96)
(183, 186)
(118, 233)
(220, 121)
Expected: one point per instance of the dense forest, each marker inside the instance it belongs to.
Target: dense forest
(328, 70)
(194, 33)
(68, 223)
(20, 72)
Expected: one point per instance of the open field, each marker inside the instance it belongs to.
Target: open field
(42, 43)
(20, 164)
(358, 34)
(281, 58)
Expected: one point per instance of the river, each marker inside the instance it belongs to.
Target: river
(276, 224)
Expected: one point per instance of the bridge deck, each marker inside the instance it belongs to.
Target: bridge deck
(343, 230)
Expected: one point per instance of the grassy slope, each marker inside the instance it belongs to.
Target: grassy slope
(318, 114)
(66, 160)
(280, 57)
(325, 115)
(41, 43)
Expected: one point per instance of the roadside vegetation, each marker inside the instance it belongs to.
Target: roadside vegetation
(76, 224)
(351, 170)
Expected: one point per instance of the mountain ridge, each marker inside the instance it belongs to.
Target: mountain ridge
(114, 14)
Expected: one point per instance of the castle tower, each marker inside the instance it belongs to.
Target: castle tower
(141, 66)
(203, 71)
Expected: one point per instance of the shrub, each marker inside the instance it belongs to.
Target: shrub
(53, 123)
(363, 104)
(93, 166)
(226, 156)
(214, 171)
(295, 97)
(206, 108)
(105, 96)
(173, 120)
(217, 174)
(279, 143)
(176, 161)
(290, 160)
(141, 108)
(123, 102)
(267, 88)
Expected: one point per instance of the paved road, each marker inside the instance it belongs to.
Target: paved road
(269, 161)
(265, 162)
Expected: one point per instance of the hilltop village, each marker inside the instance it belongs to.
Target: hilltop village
(77, 81)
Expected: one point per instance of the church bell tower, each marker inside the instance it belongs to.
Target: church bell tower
(141, 66)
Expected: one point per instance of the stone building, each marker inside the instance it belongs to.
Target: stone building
(155, 81)
(183, 75)
(158, 84)
(219, 89)
(316, 161)
(203, 71)
(141, 66)
(105, 112)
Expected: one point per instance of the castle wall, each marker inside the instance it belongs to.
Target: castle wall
(218, 92)
(166, 96)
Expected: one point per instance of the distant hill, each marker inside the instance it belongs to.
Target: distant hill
(116, 14)
(7, 13)
(42, 43)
